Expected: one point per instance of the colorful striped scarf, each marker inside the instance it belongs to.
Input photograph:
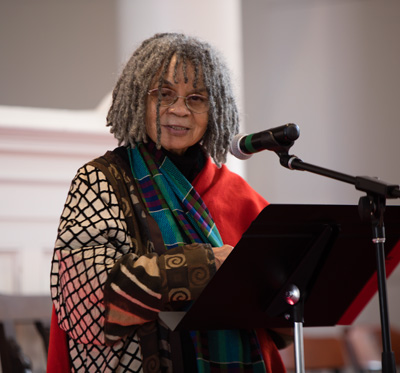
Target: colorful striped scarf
(183, 218)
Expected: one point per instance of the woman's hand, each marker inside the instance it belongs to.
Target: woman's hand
(221, 253)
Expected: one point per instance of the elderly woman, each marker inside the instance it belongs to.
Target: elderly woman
(146, 226)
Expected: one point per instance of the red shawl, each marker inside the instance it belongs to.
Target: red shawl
(233, 205)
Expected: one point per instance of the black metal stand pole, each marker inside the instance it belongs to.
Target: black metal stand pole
(377, 207)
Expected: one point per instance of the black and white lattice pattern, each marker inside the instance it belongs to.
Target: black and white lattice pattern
(92, 236)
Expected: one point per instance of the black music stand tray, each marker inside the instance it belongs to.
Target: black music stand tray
(311, 265)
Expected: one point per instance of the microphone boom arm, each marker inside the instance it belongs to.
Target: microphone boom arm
(367, 184)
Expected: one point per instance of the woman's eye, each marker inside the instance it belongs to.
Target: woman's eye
(197, 98)
(166, 93)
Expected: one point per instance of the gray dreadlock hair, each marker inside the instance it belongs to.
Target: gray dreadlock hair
(126, 117)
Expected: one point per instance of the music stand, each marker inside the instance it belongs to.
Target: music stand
(324, 251)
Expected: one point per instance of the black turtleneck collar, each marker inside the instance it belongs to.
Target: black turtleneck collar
(190, 163)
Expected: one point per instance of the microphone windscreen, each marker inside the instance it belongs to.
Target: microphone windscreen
(235, 147)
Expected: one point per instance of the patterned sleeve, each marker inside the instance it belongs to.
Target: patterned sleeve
(95, 267)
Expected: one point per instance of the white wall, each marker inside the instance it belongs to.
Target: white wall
(332, 67)
(57, 54)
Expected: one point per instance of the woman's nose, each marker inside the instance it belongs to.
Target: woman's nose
(179, 107)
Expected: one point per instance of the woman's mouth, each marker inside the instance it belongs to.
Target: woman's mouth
(177, 128)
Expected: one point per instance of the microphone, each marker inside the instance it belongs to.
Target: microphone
(275, 139)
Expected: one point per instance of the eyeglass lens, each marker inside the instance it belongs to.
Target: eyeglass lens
(195, 102)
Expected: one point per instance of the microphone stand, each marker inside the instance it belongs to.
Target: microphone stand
(372, 206)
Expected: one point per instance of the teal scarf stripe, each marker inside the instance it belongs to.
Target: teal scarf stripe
(171, 238)
(196, 210)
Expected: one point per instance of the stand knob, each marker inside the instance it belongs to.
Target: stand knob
(292, 295)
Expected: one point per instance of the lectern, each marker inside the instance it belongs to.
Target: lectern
(321, 254)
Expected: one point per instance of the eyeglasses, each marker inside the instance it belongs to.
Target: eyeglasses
(195, 102)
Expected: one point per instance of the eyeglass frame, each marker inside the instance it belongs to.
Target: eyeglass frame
(184, 99)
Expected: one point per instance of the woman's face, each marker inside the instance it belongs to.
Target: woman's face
(180, 127)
